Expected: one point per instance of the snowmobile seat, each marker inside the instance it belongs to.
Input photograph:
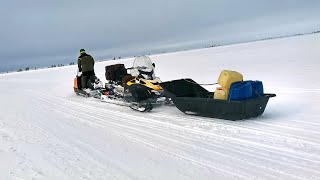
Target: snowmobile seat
(140, 92)
(125, 79)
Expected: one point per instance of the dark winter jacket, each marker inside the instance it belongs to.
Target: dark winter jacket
(85, 63)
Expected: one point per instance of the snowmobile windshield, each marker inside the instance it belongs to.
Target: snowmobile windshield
(143, 63)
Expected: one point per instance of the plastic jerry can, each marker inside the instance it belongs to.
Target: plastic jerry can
(240, 91)
(257, 88)
(228, 77)
(220, 93)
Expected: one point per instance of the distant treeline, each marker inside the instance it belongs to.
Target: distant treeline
(276, 37)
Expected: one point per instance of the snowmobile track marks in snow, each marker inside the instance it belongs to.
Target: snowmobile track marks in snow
(134, 121)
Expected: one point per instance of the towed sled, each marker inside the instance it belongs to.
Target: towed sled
(244, 99)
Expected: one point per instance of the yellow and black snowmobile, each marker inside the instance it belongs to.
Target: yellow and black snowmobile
(140, 89)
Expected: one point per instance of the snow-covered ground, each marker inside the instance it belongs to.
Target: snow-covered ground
(47, 132)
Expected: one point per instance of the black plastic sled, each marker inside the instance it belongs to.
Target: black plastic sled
(191, 98)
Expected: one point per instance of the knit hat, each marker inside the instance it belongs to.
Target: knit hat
(82, 51)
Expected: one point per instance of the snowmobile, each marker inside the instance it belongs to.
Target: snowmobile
(94, 83)
(234, 100)
(139, 89)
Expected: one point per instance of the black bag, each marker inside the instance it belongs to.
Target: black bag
(115, 72)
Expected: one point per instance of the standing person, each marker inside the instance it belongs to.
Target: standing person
(86, 66)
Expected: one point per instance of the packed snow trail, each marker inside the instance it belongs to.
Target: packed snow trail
(47, 132)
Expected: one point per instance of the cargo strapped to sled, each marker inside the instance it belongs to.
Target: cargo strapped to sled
(242, 90)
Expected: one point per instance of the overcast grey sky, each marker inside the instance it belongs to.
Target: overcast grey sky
(46, 32)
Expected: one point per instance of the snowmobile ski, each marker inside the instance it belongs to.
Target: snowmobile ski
(89, 93)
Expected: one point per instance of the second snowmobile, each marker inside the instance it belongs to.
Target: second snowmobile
(96, 87)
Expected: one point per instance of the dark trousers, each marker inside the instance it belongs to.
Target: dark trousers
(87, 78)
